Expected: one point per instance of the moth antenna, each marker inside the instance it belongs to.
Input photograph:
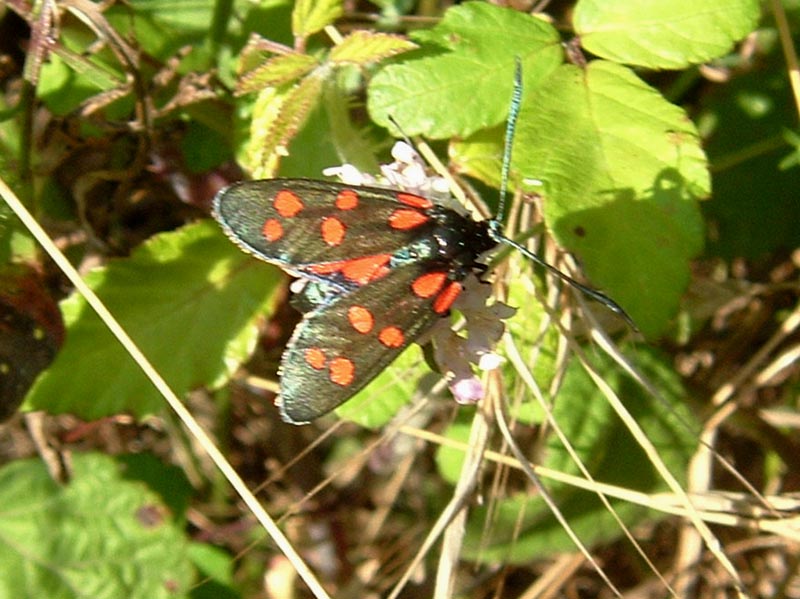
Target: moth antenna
(511, 127)
(405, 137)
(588, 291)
(495, 226)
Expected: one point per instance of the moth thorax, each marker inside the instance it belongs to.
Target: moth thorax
(461, 238)
(419, 249)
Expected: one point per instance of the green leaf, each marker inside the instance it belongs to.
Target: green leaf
(622, 170)
(351, 141)
(162, 27)
(310, 16)
(755, 208)
(64, 85)
(277, 116)
(189, 298)
(362, 47)
(313, 148)
(168, 481)
(15, 240)
(669, 34)
(480, 155)
(449, 460)
(99, 536)
(216, 569)
(792, 160)
(523, 529)
(278, 70)
(467, 62)
(203, 148)
(97, 75)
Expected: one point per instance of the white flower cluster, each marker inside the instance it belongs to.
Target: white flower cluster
(407, 172)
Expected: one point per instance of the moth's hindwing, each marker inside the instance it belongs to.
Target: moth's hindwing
(341, 346)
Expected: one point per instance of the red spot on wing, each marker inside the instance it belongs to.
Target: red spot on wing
(287, 204)
(360, 319)
(342, 371)
(358, 270)
(429, 284)
(404, 219)
(391, 336)
(364, 270)
(347, 199)
(416, 201)
(446, 298)
(326, 268)
(315, 358)
(333, 230)
(272, 229)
